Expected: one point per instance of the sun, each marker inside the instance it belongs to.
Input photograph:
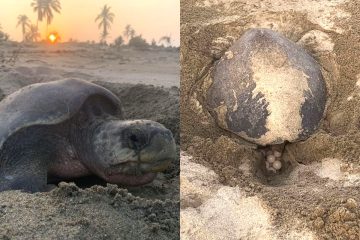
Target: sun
(53, 37)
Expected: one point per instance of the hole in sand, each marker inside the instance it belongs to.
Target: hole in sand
(270, 168)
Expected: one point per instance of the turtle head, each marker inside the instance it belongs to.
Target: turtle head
(132, 152)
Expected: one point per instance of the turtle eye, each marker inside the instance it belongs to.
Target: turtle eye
(134, 138)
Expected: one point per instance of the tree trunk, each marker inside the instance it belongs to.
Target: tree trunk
(23, 32)
(104, 32)
(37, 27)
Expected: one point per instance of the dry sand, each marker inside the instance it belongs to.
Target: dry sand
(225, 192)
(99, 212)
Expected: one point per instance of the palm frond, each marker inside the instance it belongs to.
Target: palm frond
(98, 17)
(45, 8)
(55, 4)
(38, 7)
(101, 24)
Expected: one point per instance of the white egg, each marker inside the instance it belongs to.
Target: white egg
(277, 154)
(270, 158)
(277, 165)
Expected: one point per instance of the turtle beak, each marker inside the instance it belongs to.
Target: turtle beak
(145, 147)
(152, 144)
(159, 153)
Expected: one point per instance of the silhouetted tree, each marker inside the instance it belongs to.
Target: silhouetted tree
(23, 20)
(129, 32)
(153, 43)
(166, 40)
(138, 42)
(38, 8)
(3, 36)
(49, 6)
(44, 9)
(106, 18)
(119, 41)
(33, 34)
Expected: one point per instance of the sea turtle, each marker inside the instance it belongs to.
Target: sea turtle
(71, 128)
(266, 89)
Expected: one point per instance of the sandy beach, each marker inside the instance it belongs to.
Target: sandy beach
(225, 192)
(147, 83)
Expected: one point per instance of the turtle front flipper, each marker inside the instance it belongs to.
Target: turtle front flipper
(31, 182)
(24, 160)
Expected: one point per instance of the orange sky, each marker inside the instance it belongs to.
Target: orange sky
(151, 18)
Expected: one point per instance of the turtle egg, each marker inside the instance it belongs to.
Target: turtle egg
(277, 165)
(270, 158)
(277, 154)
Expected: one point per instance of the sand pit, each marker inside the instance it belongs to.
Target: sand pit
(101, 211)
(316, 195)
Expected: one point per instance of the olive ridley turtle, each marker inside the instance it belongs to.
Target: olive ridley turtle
(71, 128)
(267, 90)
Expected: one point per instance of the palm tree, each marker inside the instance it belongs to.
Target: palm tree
(132, 33)
(38, 6)
(23, 20)
(129, 32)
(33, 34)
(106, 18)
(119, 41)
(48, 7)
(3, 36)
(166, 39)
(44, 9)
(153, 42)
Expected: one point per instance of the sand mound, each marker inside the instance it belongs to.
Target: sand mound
(211, 211)
(96, 213)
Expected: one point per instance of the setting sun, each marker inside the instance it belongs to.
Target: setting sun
(53, 37)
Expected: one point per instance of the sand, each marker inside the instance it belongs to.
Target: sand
(316, 195)
(147, 84)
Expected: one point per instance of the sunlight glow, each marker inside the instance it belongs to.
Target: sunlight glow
(53, 37)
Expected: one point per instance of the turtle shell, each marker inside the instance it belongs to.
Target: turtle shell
(266, 89)
(50, 103)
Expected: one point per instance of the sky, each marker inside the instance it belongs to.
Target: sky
(151, 18)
